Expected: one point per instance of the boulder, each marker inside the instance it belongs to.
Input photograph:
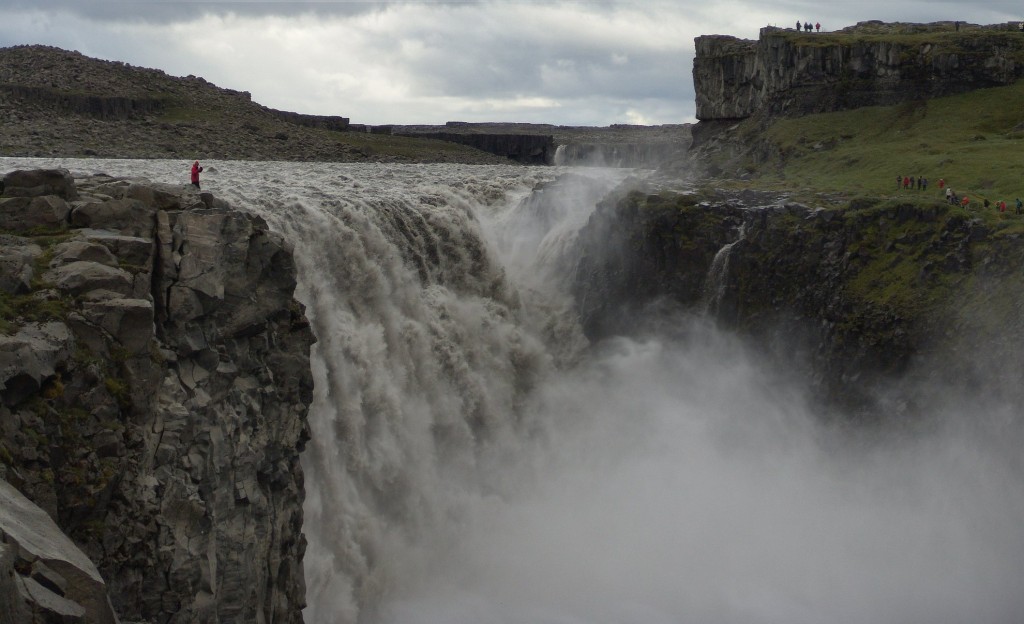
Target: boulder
(30, 357)
(133, 250)
(129, 321)
(129, 217)
(17, 263)
(82, 276)
(39, 182)
(25, 213)
(82, 251)
(52, 576)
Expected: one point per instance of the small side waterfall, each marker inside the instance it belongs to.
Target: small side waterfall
(559, 158)
(716, 283)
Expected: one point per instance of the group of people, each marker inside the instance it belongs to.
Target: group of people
(921, 183)
(965, 202)
(910, 182)
(806, 26)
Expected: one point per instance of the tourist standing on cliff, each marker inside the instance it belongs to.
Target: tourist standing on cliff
(195, 173)
(1020, 206)
(817, 26)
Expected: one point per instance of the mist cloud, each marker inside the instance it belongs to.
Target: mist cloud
(684, 483)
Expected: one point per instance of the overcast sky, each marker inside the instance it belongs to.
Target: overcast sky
(565, 62)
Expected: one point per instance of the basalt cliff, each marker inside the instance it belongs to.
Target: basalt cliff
(154, 377)
(789, 72)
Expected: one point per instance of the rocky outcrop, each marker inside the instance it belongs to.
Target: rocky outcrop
(786, 72)
(854, 296)
(100, 107)
(155, 379)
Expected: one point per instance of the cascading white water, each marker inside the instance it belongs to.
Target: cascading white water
(474, 461)
(715, 283)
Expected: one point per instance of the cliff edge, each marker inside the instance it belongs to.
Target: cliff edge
(155, 381)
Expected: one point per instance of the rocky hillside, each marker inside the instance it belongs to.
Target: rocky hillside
(154, 381)
(793, 73)
(60, 103)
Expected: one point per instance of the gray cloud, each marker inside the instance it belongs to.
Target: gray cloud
(429, 61)
(182, 11)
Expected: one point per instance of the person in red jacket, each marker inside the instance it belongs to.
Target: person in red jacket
(195, 173)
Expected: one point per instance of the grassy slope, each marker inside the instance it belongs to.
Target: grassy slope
(973, 141)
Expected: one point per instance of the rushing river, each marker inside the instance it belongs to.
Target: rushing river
(474, 460)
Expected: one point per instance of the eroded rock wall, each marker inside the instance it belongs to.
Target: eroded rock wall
(155, 372)
(853, 297)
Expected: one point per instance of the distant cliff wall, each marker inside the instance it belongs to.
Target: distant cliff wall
(632, 155)
(324, 122)
(786, 72)
(530, 149)
(101, 107)
(154, 382)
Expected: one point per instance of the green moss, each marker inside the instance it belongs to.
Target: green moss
(5, 455)
(902, 260)
(30, 309)
(118, 388)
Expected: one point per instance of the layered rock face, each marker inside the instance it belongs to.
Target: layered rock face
(786, 72)
(155, 373)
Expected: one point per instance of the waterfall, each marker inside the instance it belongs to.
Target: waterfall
(716, 283)
(474, 460)
(559, 159)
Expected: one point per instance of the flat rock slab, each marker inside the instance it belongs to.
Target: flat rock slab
(38, 538)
